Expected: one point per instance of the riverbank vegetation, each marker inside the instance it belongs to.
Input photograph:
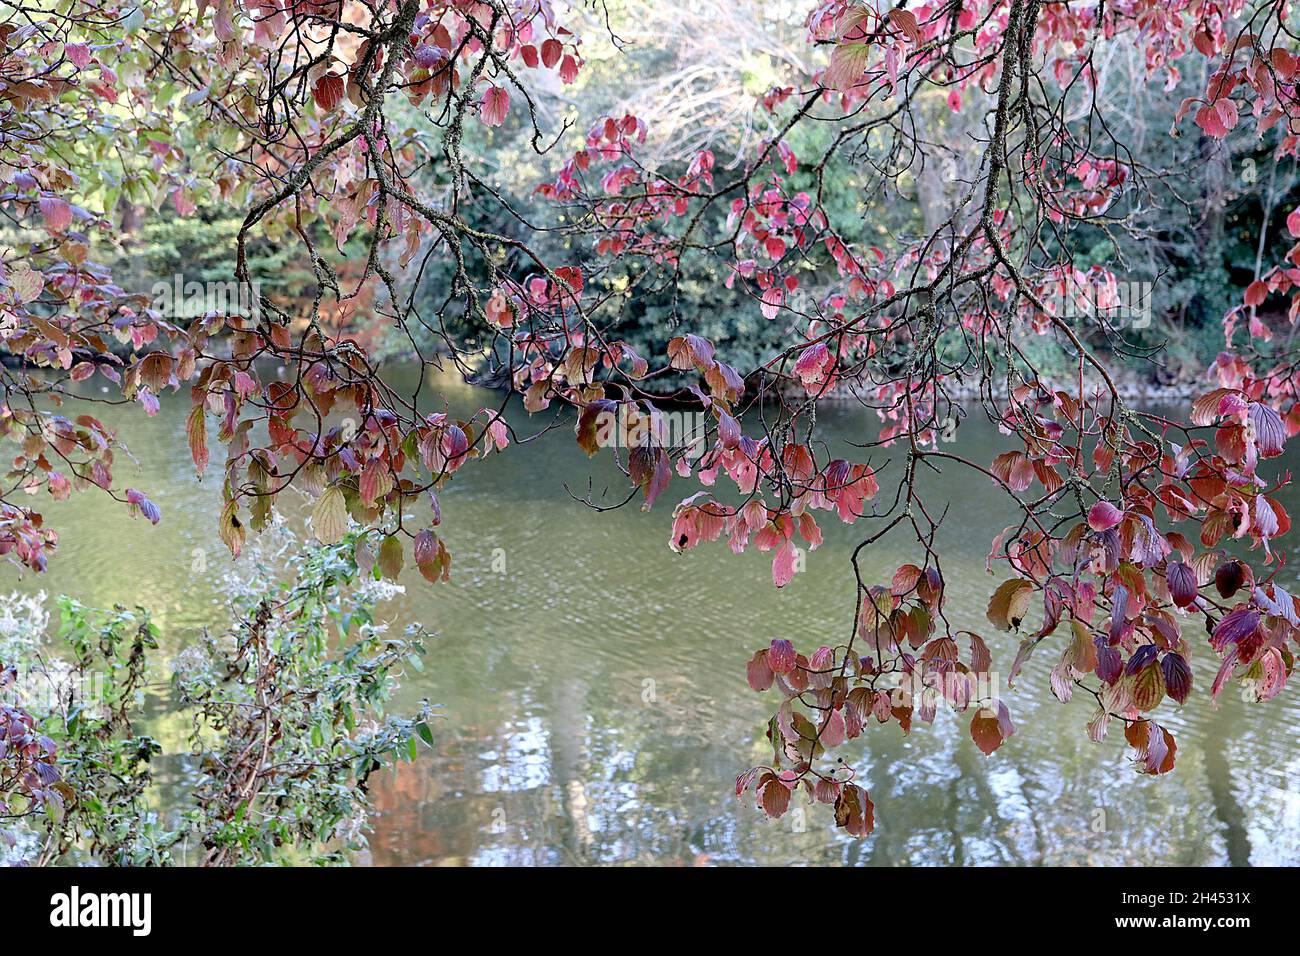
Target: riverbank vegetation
(284, 716)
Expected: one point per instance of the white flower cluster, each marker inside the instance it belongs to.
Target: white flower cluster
(23, 620)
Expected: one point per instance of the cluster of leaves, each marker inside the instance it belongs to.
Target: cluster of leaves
(287, 725)
(29, 776)
(1111, 579)
(300, 718)
(106, 761)
(833, 694)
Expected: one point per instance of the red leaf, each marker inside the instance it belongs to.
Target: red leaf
(990, 730)
(328, 92)
(774, 797)
(1210, 120)
(551, 50)
(758, 672)
(431, 557)
(1157, 750)
(854, 810)
(79, 54)
(1103, 516)
(1015, 469)
(905, 20)
(905, 580)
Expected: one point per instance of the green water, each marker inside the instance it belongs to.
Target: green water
(594, 697)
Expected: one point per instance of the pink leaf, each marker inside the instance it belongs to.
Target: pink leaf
(1103, 516)
(183, 202)
(781, 657)
(1210, 120)
(56, 213)
(783, 564)
(1270, 432)
(147, 507)
(812, 365)
(79, 54)
(833, 732)
(494, 106)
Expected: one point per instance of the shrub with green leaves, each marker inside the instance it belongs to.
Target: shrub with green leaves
(286, 715)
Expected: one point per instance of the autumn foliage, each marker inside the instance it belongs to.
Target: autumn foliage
(1127, 533)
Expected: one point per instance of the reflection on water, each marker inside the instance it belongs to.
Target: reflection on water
(595, 702)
